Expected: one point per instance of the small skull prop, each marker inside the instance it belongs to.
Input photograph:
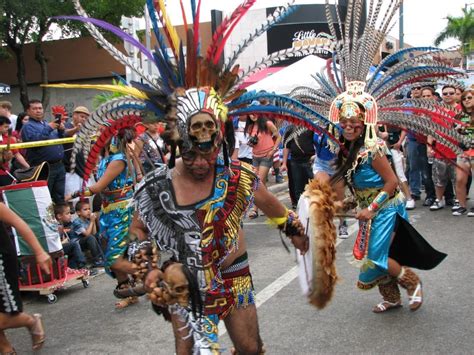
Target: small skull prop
(175, 286)
(202, 131)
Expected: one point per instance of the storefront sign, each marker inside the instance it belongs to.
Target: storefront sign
(4, 89)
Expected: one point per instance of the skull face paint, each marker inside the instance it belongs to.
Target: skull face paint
(202, 131)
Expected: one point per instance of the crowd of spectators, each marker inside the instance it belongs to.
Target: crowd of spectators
(422, 165)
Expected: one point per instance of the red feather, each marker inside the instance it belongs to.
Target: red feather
(59, 109)
(165, 29)
(225, 28)
(103, 139)
(196, 27)
(185, 22)
(414, 80)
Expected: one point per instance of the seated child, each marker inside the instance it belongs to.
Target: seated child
(83, 230)
(76, 259)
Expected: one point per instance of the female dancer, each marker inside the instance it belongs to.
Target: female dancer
(11, 308)
(116, 176)
(383, 217)
(465, 161)
(264, 138)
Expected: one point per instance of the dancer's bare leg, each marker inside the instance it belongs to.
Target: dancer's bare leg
(183, 346)
(242, 325)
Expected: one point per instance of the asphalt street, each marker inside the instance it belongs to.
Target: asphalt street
(84, 321)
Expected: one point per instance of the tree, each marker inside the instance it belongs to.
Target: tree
(31, 21)
(460, 28)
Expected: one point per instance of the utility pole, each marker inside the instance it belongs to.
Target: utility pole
(400, 23)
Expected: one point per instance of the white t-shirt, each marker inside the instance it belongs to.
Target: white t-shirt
(13, 119)
(245, 151)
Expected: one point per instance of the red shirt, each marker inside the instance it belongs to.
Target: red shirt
(6, 165)
(441, 151)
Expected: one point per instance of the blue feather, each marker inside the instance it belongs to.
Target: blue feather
(248, 97)
(120, 79)
(166, 70)
(326, 84)
(182, 65)
(150, 106)
(282, 110)
(395, 56)
(156, 30)
(193, 9)
(409, 70)
(128, 107)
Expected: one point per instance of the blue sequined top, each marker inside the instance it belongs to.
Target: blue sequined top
(121, 181)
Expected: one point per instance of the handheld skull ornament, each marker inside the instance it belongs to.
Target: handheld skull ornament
(203, 131)
(175, 285)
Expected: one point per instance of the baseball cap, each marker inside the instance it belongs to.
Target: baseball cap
(82, 109)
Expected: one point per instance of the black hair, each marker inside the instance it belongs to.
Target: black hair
(81, 204)
(19, 121)
(60, 207)
(34, 101)
(4, 120)
(261, 123)
(447, 87)
(194, 293)
(345, 163)
(229, 139)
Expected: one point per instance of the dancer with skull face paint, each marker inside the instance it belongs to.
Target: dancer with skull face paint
(194, 211)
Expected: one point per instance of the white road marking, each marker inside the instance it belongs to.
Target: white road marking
(285, 279)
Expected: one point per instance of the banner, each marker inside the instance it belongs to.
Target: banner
(32, 202)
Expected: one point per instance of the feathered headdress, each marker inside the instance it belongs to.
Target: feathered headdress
(188, 82)
(59, 110)
(347, 82)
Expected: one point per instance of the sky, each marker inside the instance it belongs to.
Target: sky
(423, 19)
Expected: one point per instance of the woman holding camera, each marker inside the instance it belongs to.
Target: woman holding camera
(264, 138)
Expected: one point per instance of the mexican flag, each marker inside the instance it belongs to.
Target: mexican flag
(32, 202)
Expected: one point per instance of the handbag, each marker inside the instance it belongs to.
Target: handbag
(34, 173)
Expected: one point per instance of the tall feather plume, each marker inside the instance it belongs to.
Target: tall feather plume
(112, 29)
(114, 52)
(103, 139)
(224, 30)
(170, 31)
(277, 16)
(109, 110)
(156, 30)
(275, 57)
(197, 40)
(397, 56)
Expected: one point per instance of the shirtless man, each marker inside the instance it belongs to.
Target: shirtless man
(194, 211)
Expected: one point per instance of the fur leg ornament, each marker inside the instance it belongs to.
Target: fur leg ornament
(391, 296)
(412, 283)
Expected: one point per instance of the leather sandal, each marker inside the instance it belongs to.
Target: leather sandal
(138, 290)
(415, 300)
(385, 306)
(11, 352)
(124, 303)
(37, 332)
(253, 214)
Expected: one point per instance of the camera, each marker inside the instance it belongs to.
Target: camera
(252, 141)
(57, 118)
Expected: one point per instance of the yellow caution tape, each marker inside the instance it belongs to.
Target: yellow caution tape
(26, 145)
